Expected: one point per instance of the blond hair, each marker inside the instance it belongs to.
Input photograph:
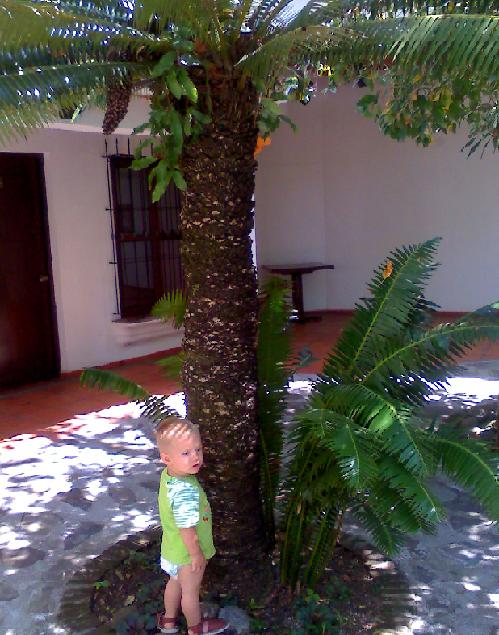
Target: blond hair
(173, 428)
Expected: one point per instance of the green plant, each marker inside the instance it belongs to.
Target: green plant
(101, 584)
(315, 615)
(359, 444)
(215, 72)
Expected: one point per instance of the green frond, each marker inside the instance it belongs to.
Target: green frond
(199, 18)
(38, 25)
(387, 8)
(389, 505)
(351, 446)
(354, 450)
(466, 464)
(412, 489)
(463, 43)
(156, 409)
(172, 366)
(115, 10)
(396, 287)
(37, 96)
(171, 306)
(316, 12)
(107, 380)
(413, 447)
(362, 404)
(270, 61)
(322, 543)
(453, 44)
(272, 352)
(420, 361)
(384, 536)
(264, 12)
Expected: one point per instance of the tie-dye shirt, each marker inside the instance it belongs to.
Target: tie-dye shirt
(182, 504)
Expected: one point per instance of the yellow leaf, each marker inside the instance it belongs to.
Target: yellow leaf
(388, 270)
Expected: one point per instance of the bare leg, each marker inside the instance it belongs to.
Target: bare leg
(173, 592)
(190, 581)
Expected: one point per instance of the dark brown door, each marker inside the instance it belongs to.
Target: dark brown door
(28, 341)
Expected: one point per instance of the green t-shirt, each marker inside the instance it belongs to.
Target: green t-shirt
(183, 503)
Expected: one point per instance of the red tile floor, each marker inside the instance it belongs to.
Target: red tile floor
(47, 408)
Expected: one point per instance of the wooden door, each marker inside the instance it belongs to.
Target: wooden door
(28, 335)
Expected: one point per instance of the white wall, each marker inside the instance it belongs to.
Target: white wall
(338, 191)
(79, 225)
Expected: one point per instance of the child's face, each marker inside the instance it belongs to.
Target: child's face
(183, 454)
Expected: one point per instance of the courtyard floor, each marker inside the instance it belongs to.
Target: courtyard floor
(78, 471)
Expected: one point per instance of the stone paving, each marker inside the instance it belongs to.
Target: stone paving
(66, 499)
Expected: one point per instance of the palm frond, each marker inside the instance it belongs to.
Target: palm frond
(198, 18)
(272, 352)
(315, 12)
(269, 61)
(467, 463)
(453, 44)
(264, 12)
(412, 489)
(24, 25)
(37, 96)
(171, 306)
(357, 401)
(107, 380)
(115, 10)
(412, 447)
(410, 367)
(172, 366)
(322, 543)
(156, 409)
(389, 505)
(351, 446)
(396, 288)
(462, 43)
(383, 534)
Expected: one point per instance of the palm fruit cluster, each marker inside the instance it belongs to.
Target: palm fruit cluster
(117, 98)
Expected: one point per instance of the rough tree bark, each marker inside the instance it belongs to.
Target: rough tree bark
(220, 374)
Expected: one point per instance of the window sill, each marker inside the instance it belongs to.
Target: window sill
(127, 332)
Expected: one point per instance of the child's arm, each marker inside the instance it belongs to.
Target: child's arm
(191, 541)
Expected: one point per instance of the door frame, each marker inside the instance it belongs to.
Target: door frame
(41, 194)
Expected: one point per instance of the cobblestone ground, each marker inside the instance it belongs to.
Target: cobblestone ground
(67, 498)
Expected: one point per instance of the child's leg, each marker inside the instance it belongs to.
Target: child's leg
(173, 592)
(190, 582)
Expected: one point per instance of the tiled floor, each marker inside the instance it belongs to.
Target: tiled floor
(48, 408)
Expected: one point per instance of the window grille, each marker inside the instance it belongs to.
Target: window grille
(146, 238)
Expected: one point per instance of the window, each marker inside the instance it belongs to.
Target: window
(147, 237)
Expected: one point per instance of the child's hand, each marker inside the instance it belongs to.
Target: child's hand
(198, 562)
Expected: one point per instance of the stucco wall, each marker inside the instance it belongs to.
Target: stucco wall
(337, 191)
(79, 224)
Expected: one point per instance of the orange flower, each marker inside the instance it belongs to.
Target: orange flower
(388, 270)
(260, 144)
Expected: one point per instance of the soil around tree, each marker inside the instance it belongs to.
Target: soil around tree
(348, 599)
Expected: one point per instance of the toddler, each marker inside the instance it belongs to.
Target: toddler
(185, 514)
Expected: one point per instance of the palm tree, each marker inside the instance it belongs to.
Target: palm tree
(216, 70)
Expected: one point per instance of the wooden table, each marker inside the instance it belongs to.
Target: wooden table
(296, 271)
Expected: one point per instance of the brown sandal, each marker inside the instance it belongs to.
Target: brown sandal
(210, 626)
(167, 624)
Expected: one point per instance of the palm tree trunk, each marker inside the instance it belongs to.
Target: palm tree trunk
(219, 374)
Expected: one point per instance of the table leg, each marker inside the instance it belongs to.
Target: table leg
(297, 297)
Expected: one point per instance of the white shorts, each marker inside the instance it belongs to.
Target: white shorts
(170, 568)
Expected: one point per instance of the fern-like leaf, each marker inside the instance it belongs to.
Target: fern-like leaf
(171, 306)
(107, 380)
(396, 287)
(467, 464)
